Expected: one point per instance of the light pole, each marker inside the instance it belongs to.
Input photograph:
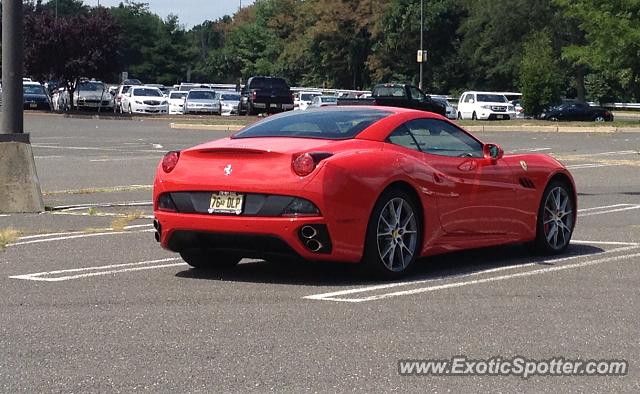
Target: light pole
(421, 40)
(19, 185)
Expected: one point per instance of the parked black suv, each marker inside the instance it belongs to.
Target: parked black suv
(265, 94)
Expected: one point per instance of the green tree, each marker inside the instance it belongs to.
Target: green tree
(396, 39)
(611, 41)
(540, 76)
(493, 36)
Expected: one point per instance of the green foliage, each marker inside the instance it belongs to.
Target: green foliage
(472, 44)
(611, 40)
(540, 76)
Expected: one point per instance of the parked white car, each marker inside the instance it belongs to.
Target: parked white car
(485, 106)
(176, 102)
(302, 100)
(145, 100)
(228, 102)
(323, 101)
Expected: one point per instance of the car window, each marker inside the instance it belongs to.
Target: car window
(177, 95)
(416, 94)
(336, 124)
(401, 136)
(468, 98)
(200, 95)
(146, 92)
(390, 91)
(33, 89)
(329, 99)
(91, 87)
(491, 98)
(442, 138)
(231, 97)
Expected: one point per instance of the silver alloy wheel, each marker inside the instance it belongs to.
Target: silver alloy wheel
(397, 234)
(599, 118)
(558, 218)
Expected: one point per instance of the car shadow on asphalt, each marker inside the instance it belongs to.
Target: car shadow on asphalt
(443, 266)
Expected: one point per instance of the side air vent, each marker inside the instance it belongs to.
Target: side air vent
(527, 183)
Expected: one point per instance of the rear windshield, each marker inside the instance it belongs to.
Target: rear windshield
(308, 96)
(329, 99)
(491, 98)
(390, 91)
(150, 92)
(334, 124)
(268, 83)
(200, 95)
(230, 97)
(177, 95)
(33, 89)
(91, 86)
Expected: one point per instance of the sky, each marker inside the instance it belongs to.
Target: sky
(190, 12)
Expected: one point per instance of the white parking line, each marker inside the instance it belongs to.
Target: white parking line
(337, 296)
(91, 148)
(590, 165)
(610, 209)
(83, 235)
(474, 282)
(50, 276)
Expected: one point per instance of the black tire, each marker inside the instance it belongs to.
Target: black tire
(374, 261)
(599, 118)
(547, 241)
(130, 110)
(210, 261)
(474, 116)
(459, 115)
(250, 110)
(553, 118)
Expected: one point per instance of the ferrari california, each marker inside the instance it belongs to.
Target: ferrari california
(376, 186)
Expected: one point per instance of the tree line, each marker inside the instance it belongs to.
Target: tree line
(547, 49)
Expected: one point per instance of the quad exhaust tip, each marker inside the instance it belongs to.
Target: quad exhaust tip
(308, 232)
(313, 245)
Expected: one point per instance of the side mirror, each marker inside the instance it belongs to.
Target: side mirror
(471, 101)
(492, 151)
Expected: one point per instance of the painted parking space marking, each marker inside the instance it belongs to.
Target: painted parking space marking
(93, 148)
(348, 295)
(79, 273)
(591, 165)
(332, 296)
(607, 209)
(77, 236)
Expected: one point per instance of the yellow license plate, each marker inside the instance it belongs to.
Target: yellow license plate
(226, 202)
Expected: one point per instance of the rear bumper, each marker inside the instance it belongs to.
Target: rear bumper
(255, 237)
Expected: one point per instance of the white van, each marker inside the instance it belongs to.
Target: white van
(485, 106)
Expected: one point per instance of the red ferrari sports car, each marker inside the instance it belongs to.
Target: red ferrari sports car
(378, 186)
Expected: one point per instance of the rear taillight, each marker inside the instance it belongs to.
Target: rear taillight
(304, 164)
(170, 161)
(253, 95)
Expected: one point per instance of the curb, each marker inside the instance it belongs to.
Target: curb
(206, 127)
(553, 129)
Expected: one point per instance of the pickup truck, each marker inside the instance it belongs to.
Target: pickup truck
(398, 95)
(265, 94)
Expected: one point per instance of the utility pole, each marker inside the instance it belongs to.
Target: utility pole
(421, 40)
(19, 185)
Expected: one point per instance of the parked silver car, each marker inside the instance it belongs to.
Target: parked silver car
(201, 101)
(228, 102)
(92, 95)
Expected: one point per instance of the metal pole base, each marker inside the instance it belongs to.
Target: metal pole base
(19, 184)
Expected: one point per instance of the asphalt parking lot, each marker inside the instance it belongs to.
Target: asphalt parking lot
(89, 301)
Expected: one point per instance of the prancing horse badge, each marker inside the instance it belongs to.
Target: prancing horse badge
(228, 169)
(523, 164)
